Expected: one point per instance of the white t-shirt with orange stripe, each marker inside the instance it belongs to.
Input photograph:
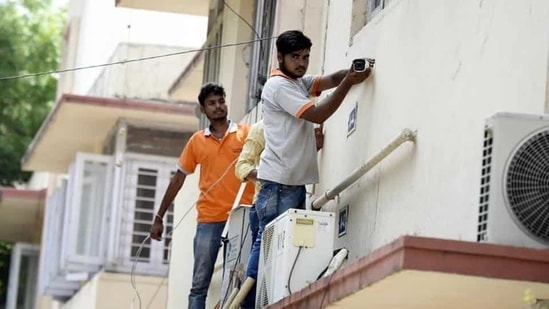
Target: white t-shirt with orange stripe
(290, 149)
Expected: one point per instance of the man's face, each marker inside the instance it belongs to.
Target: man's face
(294, 64)
(214, 107)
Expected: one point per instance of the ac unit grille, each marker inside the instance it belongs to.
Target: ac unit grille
(527, 185)
(263, 296)
(267, 240)
(485, 187)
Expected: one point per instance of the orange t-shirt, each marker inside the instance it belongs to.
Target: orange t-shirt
(217, 159)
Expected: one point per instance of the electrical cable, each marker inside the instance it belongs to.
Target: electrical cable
(236, 261)
(292, 270)
(138, 253)
(130, 60)
(326, 289)
(242, 18)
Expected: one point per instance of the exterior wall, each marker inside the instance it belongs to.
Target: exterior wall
(129, 81)
(442, 67)
(234, 59)
(97, 28)
(181, 261)
(46, 302)
(109, 290)
(102, 27)
(309, 17)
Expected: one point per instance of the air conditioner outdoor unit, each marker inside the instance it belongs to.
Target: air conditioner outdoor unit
(295, 248)
(514, 189)
(237, 250)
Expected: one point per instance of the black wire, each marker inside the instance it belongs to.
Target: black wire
(326, 289)
(292, 270)
(236, 261)
(242, 18)
(130, 60)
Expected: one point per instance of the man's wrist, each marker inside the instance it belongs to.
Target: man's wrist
(158, 217)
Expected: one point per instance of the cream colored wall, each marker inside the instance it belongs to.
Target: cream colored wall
(181, 260)
(442, 67)
(46, 302)
(309, 17)
(110, 290)
(149, 79)
(102, 26)
(233, 74)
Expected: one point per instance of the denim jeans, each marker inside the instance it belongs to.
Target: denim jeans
(207, 242)
(273, 200)
(254, 223)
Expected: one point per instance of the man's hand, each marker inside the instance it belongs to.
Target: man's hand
(358, 77)
(157, 229)
(319, 137)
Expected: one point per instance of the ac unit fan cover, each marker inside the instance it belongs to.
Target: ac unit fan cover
(526, 185)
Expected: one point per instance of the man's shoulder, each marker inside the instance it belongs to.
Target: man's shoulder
(244, 127)
(199, 133)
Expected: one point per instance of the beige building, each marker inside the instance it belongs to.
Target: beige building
(101, 161)
(430, 225)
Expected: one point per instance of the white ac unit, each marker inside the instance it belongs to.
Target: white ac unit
(295, 249)
(237, 250)
(514, 189)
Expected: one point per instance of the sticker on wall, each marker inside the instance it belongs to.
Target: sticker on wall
(351, 123)
(343, 220)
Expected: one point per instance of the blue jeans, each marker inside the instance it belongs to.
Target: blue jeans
(273, 200)
(254, 223)
(207, 242)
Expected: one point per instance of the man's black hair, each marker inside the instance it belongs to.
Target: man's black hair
(209, 89)
(291, 41)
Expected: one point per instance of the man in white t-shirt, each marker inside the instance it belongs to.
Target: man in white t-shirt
(289, 161)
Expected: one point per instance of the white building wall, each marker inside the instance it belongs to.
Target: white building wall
(103, 26)
(234, 60)
(110, 290)
(100, 27)
(150, 79)
(441, 68)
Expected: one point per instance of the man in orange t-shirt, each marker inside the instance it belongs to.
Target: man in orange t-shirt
(216, 150)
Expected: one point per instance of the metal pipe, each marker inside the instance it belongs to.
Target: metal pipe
(405, 136)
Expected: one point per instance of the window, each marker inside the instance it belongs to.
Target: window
(52, 279)
(98, 218)
(22, 279)
(85, 227)
(375, 7)
(260, 64)
(363, 11)
(144, 185)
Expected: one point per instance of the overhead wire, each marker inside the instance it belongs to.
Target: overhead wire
(27, 75)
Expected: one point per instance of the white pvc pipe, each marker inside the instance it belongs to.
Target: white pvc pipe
(405, 136)
(241, 295)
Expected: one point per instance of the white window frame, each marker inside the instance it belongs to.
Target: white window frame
(156, 265)
(71, 260)
(51, 278)
(375, 9)
(19, 251)
(261, 50)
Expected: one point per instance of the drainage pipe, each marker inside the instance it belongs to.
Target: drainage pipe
(406, 135)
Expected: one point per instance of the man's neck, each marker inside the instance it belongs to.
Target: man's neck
(219, 127)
